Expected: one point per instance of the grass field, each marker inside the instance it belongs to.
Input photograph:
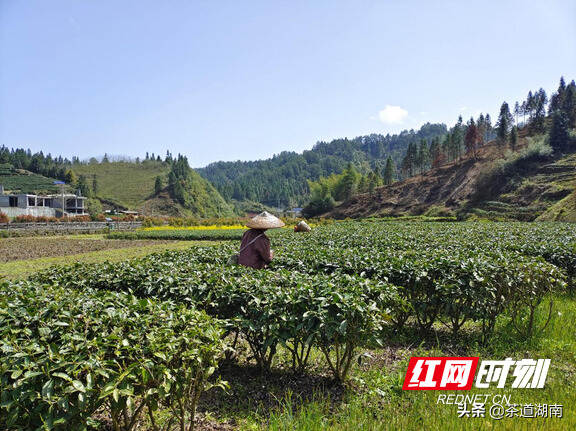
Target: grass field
(129, 184)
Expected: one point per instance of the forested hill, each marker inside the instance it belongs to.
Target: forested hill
(526, 171)
(151, 185)
(283, 179)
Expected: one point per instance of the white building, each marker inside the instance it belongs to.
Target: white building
(14, 205)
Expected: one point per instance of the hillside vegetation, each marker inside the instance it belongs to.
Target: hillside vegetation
(23, 181)
(527, 171)
(128, 184)
(524, 185)
(564, 210)
(283, 179)
(134, 185)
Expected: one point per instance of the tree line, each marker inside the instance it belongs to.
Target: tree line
(464, 140)
(282, 180)
(60, 168)
(461, 141)
(325, 192)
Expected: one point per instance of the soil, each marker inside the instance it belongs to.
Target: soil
(25, 248)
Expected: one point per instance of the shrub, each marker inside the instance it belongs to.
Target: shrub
(46, 219)
(69, 353)
(94, 208)
(534, 280)
(438, 211)
(153, 221)
(494, 180)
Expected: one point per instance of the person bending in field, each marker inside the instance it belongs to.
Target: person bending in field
(255, 246)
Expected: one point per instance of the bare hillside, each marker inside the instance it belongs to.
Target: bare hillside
(533, 187)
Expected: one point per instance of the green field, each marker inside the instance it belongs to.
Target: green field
(321, 339)
(180, 234)
(128, 184)
(25, 182)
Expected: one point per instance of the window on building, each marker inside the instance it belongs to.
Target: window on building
(31, 202)
(13, 201)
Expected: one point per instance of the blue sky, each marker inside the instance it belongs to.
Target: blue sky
(228, 80)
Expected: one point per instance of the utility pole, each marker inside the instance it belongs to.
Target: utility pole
(61, 184)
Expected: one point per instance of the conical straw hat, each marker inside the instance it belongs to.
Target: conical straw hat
(265, 220)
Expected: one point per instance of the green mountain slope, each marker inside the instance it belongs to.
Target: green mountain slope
(564, 210)
(282, 179)
(23, 181)
(128, 184)
(132, 185)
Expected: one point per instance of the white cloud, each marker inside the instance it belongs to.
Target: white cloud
(392, 114)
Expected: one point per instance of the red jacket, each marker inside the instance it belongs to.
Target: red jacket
(257, 254)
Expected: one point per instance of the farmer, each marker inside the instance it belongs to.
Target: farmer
(255, 247)
(302, 227)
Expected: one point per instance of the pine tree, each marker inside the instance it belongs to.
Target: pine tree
(423, 156)
(349, 182)
(505, 121)
(83, 186)
(389, 171)
(489, 130)
(95, 187)
(516, 111)
(569, 104)
(410, 159)
(158, 186)
(471, 138)
(374, 180)
(371, 183)
(530, 105)
(458, 138)
(559, 137)
(481, 125)
(436, 154)
(363, 184)
(514, 138)
(447, 147)
(70, 178)
(557, 99)
(539, 110)
(524, 111)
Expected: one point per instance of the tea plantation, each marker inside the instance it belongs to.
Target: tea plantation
(138, 342)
